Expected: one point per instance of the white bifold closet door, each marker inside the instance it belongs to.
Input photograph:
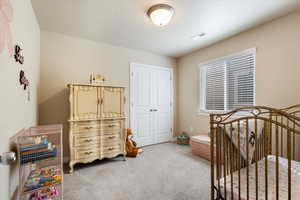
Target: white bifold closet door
(151, 116)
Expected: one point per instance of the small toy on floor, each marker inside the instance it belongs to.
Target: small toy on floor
(183, 139)
(131, 146)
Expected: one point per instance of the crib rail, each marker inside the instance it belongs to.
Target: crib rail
(242, 143)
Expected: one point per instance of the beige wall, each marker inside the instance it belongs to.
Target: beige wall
(277, 69)
(16, 111)
(66, 59)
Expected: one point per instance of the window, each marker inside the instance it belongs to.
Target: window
(228, 83)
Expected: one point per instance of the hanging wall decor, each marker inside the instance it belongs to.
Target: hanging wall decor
(18, 57)
(6, 17)
(23, 80)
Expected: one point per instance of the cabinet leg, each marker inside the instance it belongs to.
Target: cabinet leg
(124, 158)
(71, 165)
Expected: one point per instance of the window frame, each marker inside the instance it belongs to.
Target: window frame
(202, 87)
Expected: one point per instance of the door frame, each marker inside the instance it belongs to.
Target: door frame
(131, 107)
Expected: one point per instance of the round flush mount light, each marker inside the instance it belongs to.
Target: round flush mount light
(161, 14)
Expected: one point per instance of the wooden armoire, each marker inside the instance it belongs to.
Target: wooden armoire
(97, 123)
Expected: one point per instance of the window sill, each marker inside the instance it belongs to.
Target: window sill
(206, 113)
(203, 113)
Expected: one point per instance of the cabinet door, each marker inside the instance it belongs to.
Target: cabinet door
(85, 102)
(112, 102)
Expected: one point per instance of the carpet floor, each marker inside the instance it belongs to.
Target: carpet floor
(162, 172)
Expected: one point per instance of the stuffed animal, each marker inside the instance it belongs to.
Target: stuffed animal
(131, 146)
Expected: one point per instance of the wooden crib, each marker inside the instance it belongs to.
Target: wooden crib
(257, 153)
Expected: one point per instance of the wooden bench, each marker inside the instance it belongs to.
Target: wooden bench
(200, 145)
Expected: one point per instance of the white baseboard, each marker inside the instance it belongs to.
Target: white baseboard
(173, 139)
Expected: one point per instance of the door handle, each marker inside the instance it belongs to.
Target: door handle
(8, 158)
(155, 110)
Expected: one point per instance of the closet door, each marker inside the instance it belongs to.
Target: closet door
(163, 105)
(142, 122)
(151, 107)
(85, 102)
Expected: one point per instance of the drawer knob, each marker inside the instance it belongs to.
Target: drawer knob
(110, 149)
(111, 125)
(88, 153)
(88, 140)
(88, 127)
(111, 137)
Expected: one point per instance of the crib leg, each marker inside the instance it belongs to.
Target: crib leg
(219, 195)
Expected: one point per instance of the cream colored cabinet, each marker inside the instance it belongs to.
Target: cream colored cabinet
(97, 123)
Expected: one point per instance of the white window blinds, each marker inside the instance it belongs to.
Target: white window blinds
(214, 95)
(228, 83)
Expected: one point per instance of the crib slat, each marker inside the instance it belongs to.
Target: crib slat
(256, 158)
(227, 156)
(277, 161)
(218, 157)
(281, 137)
(231, 162)
(294, 138)
(239, 159)
(212, 157)
(224, 160)
(289, 163)
(271, 135)
(247, 156)
(266, 150)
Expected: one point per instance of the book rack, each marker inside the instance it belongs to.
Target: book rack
(40, 163)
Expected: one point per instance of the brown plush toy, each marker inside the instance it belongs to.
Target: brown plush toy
(131, 146)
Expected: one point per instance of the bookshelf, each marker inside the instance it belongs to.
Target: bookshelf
(40, 163)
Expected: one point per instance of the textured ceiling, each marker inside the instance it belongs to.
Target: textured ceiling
(124, 22)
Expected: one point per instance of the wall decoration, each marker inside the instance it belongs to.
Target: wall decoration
(18, 57)
(6, 17)
(23, 80)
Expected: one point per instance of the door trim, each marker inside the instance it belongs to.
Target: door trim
(131, 107)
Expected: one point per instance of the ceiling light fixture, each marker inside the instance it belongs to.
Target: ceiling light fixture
(161, 14)
(198, 36)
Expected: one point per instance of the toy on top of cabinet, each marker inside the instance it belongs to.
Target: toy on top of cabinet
(97, 79)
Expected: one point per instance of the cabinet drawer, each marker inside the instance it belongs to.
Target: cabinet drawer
(111, 125)
(81, 127)
(111, 137)
(79, 141)
(109, 140)
(81, 153)
(111, 149)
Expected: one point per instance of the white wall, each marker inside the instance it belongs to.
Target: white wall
(16, 111)
(66, 59)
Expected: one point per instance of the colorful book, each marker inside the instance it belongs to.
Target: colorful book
(38, 156)
(33, 147)
(34, 151)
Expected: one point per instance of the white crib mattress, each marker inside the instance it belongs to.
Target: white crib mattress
(283, 181)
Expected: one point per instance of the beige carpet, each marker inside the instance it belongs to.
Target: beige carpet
(163, 172)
